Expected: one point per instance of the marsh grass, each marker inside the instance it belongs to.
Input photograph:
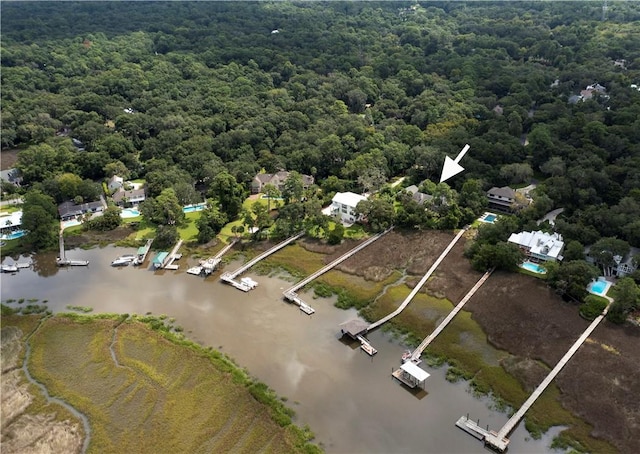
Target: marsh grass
(168, 394)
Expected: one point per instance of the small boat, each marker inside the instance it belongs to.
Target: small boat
(406, 356)
(249, 282)
(9, 268)
(195, 270)
(23, 264)
(124, 260)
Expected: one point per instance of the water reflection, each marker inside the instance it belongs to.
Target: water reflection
(349, 399)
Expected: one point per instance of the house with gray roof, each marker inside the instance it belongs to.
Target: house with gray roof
(133, 196)
(70, 210)
(502, 199)
(276, 179)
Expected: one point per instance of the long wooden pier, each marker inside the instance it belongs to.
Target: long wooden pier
(415, 356)
(291, 295)
(62, 260)
(417, 288)
(499, 441)
(230, 277)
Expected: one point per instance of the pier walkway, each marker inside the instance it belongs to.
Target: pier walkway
(415, 356)
(207, 266)
(230, 277)
(62, 260)
(173, 255)
(142, 252)
(499, 441)
(417, 288)
(291, 295)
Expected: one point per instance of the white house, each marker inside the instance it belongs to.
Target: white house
(10, 222)
(133, 196)
(539, 246)
(343, 205)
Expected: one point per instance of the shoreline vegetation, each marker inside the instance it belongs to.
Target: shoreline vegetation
(489, 370)
(145, 387)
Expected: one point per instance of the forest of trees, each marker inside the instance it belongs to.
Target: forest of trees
(198, 97)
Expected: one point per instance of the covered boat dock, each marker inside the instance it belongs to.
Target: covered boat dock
(411, 375)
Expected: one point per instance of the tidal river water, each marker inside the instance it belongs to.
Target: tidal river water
(348, 399)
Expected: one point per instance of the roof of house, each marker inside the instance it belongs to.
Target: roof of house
(348, 198)
(282, 175)
(417, 372)
(540, 243)
(412, 189)
(122, 194)
(11, 219)
(70, 208)
(116, 179)
(504, 191)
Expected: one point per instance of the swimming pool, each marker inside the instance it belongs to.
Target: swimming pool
(129, 213)
(489, 218)
(599, 287)
(14, 235)
(534, 267)
(192, 208)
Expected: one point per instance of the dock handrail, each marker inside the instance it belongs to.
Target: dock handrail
(335, 263)
(497, 440)
(415, 356)
(250, 263)
(424, 279)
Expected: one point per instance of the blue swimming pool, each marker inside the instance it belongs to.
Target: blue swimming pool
(489, 218)
(534, 267)
(14, 235)
(129, 213)
(192, 208)
(598, 287)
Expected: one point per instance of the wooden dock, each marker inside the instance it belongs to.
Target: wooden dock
(291, 293)
(415, 356)
(167, 264)
(62, 260)
(417, 288)
(209, 265)
(499, 441)
(230, 277)
(142, 252)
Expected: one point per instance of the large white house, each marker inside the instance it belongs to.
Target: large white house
(343, 205)
(539, 246)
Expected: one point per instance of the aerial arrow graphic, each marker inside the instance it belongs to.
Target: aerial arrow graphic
(451, 166)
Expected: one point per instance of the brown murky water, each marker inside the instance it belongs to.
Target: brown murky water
(347, 398)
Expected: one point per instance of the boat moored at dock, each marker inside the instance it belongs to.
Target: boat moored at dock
(124, 260)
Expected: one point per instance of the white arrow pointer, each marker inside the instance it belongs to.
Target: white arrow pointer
(451, 166)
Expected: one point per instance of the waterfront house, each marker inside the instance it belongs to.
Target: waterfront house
(418, 196)
(276, 179)
(539, 246)
(11, 222)
(343, 206)
(502, 199)
(70, 210)
(133, 196)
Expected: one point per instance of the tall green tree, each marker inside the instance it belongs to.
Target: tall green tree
(39, 219)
